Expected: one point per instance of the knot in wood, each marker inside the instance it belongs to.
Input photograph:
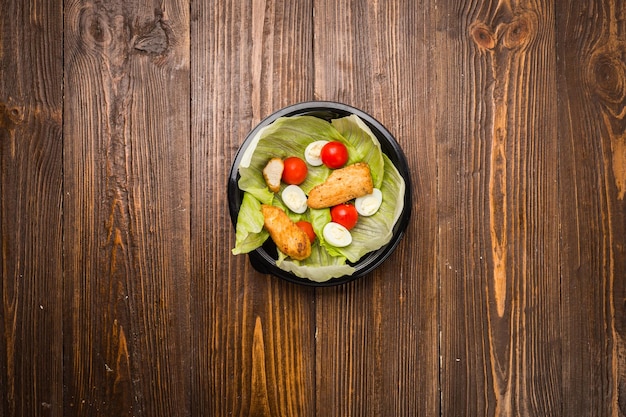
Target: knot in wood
(155, 41)
(607, 75)
(483, 36)
(10, 116)
(519, 32)
(94, 27)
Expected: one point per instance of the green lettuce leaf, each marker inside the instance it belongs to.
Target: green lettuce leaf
(319, 267)
(365, 143)
(250, 233)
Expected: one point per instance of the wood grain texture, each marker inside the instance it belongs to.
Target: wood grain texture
(377, 338)
(119, 121)
(253, 335)
(31, 146)
(592, 120)
(498, 218)
(126, 208)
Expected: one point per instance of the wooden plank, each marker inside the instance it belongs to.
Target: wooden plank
(31, 174)
(126, 212)
(498, 214)
(252, 334)
(377, 338)
(592, 155)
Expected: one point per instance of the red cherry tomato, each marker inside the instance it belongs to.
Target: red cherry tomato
(308, 229)
(344, 214)
(334, 154)
(294, 171)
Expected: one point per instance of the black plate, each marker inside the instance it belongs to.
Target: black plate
(264, 258)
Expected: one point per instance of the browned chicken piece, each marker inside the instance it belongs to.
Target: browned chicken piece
(288, 237)
(272, 173)
(342, 185)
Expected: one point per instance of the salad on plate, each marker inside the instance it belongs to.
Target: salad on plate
(298, 156)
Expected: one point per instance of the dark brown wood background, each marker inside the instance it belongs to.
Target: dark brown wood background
(118, 124)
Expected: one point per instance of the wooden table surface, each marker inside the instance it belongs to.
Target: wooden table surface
(119, 121)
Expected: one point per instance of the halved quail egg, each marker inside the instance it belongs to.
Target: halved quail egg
(369, 204)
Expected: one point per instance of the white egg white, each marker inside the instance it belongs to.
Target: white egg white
(369, 204)
(294, 198)
(337, 235)
(312, 152)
